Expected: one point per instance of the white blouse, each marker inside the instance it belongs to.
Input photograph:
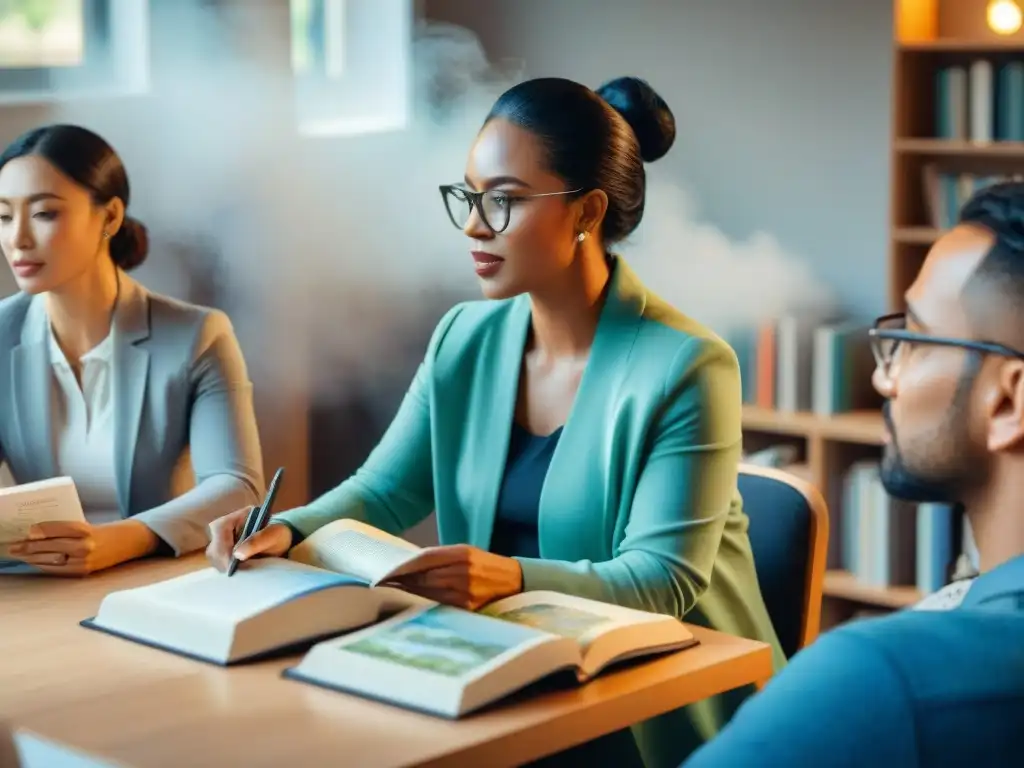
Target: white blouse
(83, 427)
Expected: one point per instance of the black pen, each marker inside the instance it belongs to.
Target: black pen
(257, 518)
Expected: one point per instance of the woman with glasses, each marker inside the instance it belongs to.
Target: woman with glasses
(575, 432)
(120, 389)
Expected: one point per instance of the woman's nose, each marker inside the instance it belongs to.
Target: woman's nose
(23, 240)
(476, 228)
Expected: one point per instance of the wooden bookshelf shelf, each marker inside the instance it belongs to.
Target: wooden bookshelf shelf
(845, 586)
(916, 235)
(863, 427)
(935, 147)
(955, 45)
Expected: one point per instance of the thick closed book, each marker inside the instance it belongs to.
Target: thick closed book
(450, 662)
(327, 585)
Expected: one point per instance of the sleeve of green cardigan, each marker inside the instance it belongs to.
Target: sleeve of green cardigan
(682, 499)
(394, 489)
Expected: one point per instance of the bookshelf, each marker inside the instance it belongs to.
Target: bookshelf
(829, 446)
(930, 37)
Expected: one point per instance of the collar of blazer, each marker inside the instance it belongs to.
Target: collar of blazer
(130, 320)
(617, 328)
(31, 374)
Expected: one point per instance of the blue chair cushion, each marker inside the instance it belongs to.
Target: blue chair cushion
(780, 537)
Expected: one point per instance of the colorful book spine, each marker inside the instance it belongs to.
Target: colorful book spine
(981, 101)
(935, 537)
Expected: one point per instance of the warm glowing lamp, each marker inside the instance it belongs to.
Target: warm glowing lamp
(1004, 17)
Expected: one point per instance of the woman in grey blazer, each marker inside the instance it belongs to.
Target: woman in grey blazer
(114, 386)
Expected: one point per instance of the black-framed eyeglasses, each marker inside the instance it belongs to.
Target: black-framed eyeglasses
(494, 205)
(889, 337)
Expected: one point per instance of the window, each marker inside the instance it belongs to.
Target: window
(351, 60)
(41, 33)
(318, 38)
(60, 48)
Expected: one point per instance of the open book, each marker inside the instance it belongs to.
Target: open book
(450, 662)
(22, 506)
(329, 583)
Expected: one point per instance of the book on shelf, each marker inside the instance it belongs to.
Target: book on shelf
(806, 362)
(794, 350)
(841, 370)
(332, 582)
(946, 191)
(936, 537)
(877, 530)
(981, 101)
(952, 119)
(25, 505)
(886, 542)
(449, 662)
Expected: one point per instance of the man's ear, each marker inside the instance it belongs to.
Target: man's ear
(113, 216)
(592, 206)
(1005, 407)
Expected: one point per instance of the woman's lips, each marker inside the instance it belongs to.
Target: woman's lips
(24, 268)
(487, 264)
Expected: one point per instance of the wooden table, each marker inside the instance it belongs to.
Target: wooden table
(148, 708)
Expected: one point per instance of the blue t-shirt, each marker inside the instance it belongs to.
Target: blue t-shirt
(915, 689)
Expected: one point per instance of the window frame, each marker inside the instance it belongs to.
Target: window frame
(325, 93)
(115, 59)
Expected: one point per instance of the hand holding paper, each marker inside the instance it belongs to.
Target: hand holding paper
(78, 549)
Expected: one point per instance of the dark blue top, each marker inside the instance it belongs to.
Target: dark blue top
(515, 522)
(515, 535)
(917, 689)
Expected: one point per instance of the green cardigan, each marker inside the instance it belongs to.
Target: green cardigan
(639, 507)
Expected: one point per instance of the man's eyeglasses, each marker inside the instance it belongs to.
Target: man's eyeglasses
(494, 205)
(889, 338)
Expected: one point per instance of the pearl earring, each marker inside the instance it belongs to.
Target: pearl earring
(581, 237)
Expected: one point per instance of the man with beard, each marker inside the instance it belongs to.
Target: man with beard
(923, 688)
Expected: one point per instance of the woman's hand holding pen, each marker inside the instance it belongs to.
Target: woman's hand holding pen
(273, 541)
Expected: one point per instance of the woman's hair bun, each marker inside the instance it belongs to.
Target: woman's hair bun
(130, 246)
(645, 111)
